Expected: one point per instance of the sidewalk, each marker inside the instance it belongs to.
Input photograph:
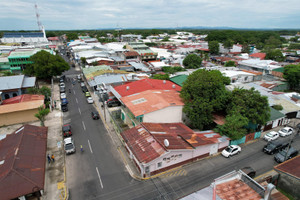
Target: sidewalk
(55, 187)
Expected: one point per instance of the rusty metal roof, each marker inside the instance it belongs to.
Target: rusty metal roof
(22, 161)
(290, 167)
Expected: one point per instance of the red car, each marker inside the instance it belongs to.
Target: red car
(66, 129)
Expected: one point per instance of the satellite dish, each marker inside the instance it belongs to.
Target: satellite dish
(166, 142)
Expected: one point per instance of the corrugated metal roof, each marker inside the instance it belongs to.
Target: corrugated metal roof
(11, 82)
(108, 79)
(23, 98)
(290, 167)
(145, 84)
(179, 80)
(24, 156)
(275, 114)
(140, 66)
(29, 82)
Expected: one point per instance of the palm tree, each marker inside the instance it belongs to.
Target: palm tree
(41, 115)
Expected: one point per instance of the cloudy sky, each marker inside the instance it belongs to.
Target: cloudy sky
(94, 14)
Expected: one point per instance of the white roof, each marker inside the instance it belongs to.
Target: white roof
(232, 73)
(161, 52)
(116, 46)
(97, 59)
(158, 64)
(263, 64)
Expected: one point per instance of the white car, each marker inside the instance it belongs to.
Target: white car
(62, 85)
(63, 95)
(90, 100)
(82, 84)
(69, 145)
(285, 131)
(231, 150)
(273, 135)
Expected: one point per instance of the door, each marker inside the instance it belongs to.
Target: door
(213, 149)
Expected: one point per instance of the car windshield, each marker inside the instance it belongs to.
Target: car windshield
(284, 130)
(66, 128)
(269, 134)
(228, 149)
(69, 146)
(283, 153)
(271, 146)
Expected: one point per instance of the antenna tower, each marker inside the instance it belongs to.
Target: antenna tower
(38, 17)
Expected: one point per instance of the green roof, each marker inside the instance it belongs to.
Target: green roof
(280, 69)
(90, 70)
(26, 54)
(179, 79)
(275, 114)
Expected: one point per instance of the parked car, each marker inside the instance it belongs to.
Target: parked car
(62, 90)
(249, 171)
(78, 77)
(285, 131)
(275, 146)
(231, 150)
(113, 102)
(95, 115)
(64, 107)
(61, 80)
(66, 129)
(64, 101)
(284, 155)
(62, 84)
(90, 100)
(87, 94)
(69, 145)
(273, 135)
(63, 95)
(82, 84)
(84, 89)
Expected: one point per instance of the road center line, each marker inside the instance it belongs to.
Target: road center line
(79, 111)
(76, 100)
(83, 125)
(90, 146)
(99, 177)
(74, 91)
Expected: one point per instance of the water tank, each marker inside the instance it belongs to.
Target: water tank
(166, 142)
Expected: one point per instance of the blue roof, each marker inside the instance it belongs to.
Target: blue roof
(22, 34)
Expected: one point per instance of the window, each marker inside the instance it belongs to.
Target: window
(159, 165)
(147, 169)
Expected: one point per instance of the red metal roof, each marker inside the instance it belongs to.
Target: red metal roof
(290, 167)
(131, 54)
(23, 157)
(145, 84)
(53, 38)
(142, 144)
(258, 55)
(23, 98)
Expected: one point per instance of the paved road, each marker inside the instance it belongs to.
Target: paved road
(98, 172)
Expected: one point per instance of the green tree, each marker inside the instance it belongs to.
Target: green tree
(204, 93)
(46, 65)
(230, 63)
(275, 54)
(44, 90)
(161, 76)
(72, 36)
(192, 61)
(95, 63)
(277, 107)
(41, 115)
(172, 70)
(166, 39)
(291, 73)
(213, 47)
(250, 104)
(234, 126)
(228, 43)
(83, 61)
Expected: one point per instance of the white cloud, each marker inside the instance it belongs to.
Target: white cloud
(80, 14)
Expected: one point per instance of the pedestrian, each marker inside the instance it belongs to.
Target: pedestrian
(49, 159)
(52, 158)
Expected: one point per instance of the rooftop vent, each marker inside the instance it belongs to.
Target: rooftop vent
(166, 142)
(127, 87)
(173, 86)
(164, 81)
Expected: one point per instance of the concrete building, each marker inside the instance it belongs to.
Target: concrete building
(143, 50)
(156, 147)
(20, 109)
(12, 86)
(264, 66)
(24, 37)
(130, 38)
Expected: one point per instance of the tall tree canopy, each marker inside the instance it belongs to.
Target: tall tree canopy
(204, 93)
(275, 54)
(250, 104)
(291, 73)
(192, 61)
(46, 65)
(213, 47)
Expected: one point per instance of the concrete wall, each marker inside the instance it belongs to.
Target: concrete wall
(18, 117)
(289, 184)
(171, 114)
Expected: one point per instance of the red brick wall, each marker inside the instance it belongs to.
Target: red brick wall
(278, 74)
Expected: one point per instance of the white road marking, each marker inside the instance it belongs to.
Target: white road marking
(76, 100)
(79, 110)
(83, 125)
(74, 91)
(99, 177)
(90, 146)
